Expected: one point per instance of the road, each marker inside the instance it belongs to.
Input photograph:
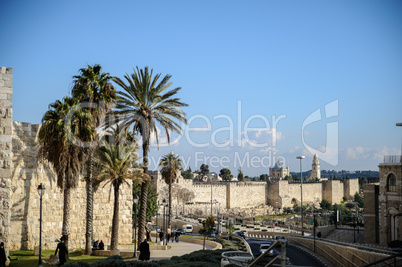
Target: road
(296, 255)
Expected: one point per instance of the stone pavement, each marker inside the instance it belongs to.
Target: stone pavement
(177, 249)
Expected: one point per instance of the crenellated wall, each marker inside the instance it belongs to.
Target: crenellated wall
(277, 193)
(28, 174)
(20, 175)
(6, 166)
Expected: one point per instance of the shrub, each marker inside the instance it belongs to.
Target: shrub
(264, 230)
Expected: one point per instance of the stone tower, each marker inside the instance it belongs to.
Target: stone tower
(315, 168)
(6, 123)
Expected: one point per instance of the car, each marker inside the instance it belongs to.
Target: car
(281, 237)
(180, 230)
(240, 233)
(264, 247)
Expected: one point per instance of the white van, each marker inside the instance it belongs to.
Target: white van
(188, 228)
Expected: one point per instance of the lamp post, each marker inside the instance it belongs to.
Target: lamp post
(41, 191)
(301, 191)
(156, 228)
(211, 195)
(314, 225)
(164, 221)
(135, 200)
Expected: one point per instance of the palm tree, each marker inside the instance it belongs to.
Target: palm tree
(144, 104)
(60, 126)
(93, 88)
(116, 165)
(171, 166)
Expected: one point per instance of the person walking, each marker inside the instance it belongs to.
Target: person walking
(144, 251)
(177, 234)
(3, 257)
(161, 235)
(63, 252)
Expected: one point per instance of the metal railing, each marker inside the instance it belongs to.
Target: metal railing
(394, 260)
(393, 159)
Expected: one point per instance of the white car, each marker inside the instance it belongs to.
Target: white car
(264, 247)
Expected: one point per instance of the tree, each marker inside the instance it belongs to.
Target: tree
(171, 165)
(240, 176)
(116, 166)
(188, 174)
(264, 177)
(152, 199)
(59, 130)
(359, 200)
(144, 104)
(204, 169)
(208, 226)
(226, 174)
(325, 205)
(94, 89)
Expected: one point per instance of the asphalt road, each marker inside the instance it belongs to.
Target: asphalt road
(297, 256)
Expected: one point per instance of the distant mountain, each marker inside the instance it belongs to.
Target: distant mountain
(340, 174)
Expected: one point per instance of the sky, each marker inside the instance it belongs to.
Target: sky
(265, 81)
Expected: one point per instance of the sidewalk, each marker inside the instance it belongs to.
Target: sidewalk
(177, 249)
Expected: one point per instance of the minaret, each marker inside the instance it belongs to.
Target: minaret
(315, 168)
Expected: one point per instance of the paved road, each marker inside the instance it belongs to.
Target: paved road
(177, 249)
(296, 255)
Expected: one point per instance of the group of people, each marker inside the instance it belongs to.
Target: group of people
(98, 245)
(169, 235)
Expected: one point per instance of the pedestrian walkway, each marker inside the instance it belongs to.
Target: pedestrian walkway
(177, 249)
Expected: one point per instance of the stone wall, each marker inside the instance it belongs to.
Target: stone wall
(28, 174)
(6, 95)
(245, 195)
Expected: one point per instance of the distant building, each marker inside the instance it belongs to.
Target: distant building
(315, 168)
(383, 204)
(278, 171)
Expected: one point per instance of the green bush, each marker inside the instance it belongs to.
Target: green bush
(264, 230)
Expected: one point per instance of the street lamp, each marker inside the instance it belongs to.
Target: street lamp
(301, 190)
(135, 200)
(211, 195)
(41, 191)
(164, 221)
(156, 228)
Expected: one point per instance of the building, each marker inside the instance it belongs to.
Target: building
(278, 171)
(383, 204)
(315, 168)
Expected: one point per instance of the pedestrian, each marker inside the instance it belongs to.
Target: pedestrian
(3, 257)
(101, 245)
(63, 252)
(161, 235)
(144, 251)
(173, 235)
(177, 234)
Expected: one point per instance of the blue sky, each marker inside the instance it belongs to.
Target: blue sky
(240, 63)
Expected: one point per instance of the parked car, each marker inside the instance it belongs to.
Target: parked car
(240, 233)
(264, 247)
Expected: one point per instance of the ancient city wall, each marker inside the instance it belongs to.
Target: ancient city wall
(332, 191)
(28, 174)
(312, 192)
(6, 95)
(243, 195)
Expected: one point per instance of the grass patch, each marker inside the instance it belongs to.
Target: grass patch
(26, 257)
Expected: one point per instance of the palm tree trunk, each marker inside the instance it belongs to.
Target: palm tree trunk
(115, 222)
(66, 215)
(170, 205)
(142, 214)
(90, 204)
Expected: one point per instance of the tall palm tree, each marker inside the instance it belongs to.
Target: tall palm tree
(116, 165)
(143, 104)
(93, 89)
(170, 167)
(60, 126)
